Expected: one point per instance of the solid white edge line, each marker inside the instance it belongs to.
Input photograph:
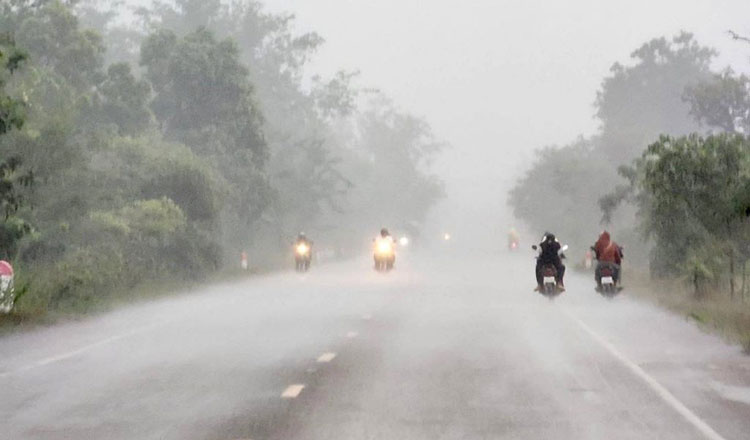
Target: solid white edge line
(76, 352)
(658, 388)
(292, 391)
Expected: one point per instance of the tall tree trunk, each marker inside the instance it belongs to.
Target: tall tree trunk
(744, 278)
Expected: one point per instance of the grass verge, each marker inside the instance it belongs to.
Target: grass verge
(714, 312)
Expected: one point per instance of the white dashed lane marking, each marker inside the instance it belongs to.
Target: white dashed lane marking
(326, 357)
(292, 391)
(352, 335)
(366, 317)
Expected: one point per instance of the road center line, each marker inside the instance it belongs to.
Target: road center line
(352, 335)
(292, 391)
(326, 357)
(658, 388)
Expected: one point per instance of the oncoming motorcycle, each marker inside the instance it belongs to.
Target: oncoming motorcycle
(385, 254)
(302, 257)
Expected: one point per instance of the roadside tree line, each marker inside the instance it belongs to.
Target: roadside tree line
(162, 147)
(669, 170)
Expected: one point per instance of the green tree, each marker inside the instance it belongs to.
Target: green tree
(124, 100)
(11, 109)
(204, 99)
(690, 192)
(203, 91)
(640, 102)
(12, 178)
(560, 191)
(396, 187)
(53, 38)
(722, 102)
(635, 104)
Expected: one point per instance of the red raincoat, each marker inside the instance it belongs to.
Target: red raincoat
(607, 251)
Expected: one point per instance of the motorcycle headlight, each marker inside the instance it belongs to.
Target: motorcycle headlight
(384, 247)
(302, 249)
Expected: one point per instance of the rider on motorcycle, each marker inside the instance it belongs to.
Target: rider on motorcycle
(549, 253)
(608, 253)
(385, 236)
(384, 250)
(302, 239)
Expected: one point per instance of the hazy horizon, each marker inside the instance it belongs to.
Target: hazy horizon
(498, 80)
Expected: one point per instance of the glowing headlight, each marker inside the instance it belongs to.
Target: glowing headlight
(447, 237)
(384, 247)
(403, 241)
(302, 249)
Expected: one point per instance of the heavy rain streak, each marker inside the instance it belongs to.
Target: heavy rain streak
(358, 220)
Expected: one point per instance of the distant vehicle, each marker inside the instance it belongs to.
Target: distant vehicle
(514, 240)
(513, 245)
(7, 288)
(385, 254)
(302, 257)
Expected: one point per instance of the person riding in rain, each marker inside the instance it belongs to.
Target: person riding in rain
(549, 253)
(608, 254)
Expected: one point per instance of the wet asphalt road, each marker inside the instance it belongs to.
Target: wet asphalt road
(454, 347)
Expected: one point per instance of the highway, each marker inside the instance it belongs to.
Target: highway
(447, 346)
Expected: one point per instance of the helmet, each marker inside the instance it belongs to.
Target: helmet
(384, 232)
(301, 235)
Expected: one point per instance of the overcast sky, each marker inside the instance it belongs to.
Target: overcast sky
(499, 78)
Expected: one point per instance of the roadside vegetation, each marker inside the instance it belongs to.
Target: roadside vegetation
(161, 147)
(669, 174)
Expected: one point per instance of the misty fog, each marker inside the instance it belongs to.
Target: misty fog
(498, 79)
(394, 219)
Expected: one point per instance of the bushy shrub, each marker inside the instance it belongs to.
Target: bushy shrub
(145, 240)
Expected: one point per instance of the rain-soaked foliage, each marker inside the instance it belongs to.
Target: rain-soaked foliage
(692, 197)
(14, 178)
(165, 145)
(686, 197)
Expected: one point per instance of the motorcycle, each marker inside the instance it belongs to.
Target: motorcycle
(302, 257)
(608, 279)
(550, 289)
(610, 285)
(385, 254)
(513, 245)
